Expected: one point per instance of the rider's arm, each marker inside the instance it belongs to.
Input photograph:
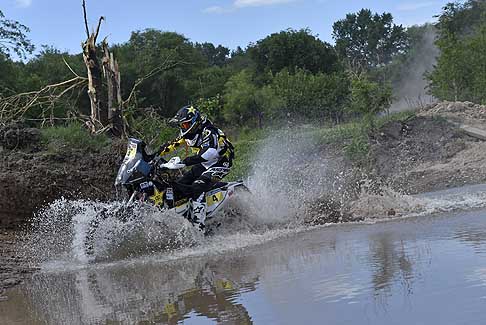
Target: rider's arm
(172, 147)
(208, 152)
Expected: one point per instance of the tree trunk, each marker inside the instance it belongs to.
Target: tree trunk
(115, 102)
(98, 115)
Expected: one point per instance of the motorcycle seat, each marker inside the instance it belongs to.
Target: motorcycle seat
(218, 185)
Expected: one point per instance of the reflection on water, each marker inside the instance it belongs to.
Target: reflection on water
(148, 292)
(474, 237)
(391, 262)
(431, 270)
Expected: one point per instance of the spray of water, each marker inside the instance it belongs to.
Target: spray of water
(84, 231)
(290, 173)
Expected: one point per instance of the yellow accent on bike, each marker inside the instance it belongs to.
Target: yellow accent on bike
(158, 197)
(224, 284)
(132, 151)
(215, 198)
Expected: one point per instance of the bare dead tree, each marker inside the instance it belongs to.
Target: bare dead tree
(113, 80)
(95, 83)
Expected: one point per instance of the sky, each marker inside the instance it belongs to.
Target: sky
(232, 23)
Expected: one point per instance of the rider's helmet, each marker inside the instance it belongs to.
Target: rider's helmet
(189, 121)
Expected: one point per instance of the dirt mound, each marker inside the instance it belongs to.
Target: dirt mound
(29, 180)
(422, 154)
(461, 112)
(18, 136)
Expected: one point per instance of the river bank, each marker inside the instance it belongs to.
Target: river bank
(424, 152)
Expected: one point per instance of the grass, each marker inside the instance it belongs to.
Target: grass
(153, 131)
(352, 136)
(73, 136)
(245, 151)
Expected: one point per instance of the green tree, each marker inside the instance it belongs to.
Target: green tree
(366, 40)
(211, 107)
(306, 96)
(369, 98)
(208, 82)
(149, 49)
(11, 76)
(48, 67)
(13, 38)
(461, 19)
(293, 49)
(240, 60)
(241, 99)
(460, 72)
(214, 55)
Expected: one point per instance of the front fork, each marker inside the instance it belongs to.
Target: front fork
(132, 198)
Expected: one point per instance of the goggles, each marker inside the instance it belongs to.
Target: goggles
(185, 125)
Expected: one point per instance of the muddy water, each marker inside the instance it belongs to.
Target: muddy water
(428, 270)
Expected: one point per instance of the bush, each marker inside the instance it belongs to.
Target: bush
(241, 99)
(211, 107)
(246, 146)
(368, 97)
(153, 130)
(74, 136)
(305, 96)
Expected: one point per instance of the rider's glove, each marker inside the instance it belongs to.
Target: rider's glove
(163, 147)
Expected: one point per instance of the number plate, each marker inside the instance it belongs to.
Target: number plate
(131, 151)
(214, 198)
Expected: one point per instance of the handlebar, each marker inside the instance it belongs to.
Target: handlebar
(173, 163)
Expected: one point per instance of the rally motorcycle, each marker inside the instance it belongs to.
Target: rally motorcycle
(150, 178)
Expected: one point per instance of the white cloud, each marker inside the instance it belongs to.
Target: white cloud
(238, 4)
(258, 3)
(415, 6)
(23, 3)
(216, 10)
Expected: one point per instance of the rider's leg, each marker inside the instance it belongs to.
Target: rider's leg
(184, 184)
(200, 187)
(196, 183)
(190, 176)
(194, 186)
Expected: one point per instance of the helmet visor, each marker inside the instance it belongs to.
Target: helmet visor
(185, 125)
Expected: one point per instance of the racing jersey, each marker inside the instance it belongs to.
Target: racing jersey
(210, 145)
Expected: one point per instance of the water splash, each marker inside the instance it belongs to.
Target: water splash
(82, 231)
(291, 172)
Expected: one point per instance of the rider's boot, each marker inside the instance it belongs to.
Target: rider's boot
(199, 211)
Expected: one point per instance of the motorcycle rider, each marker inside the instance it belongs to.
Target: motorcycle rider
(211, 162)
